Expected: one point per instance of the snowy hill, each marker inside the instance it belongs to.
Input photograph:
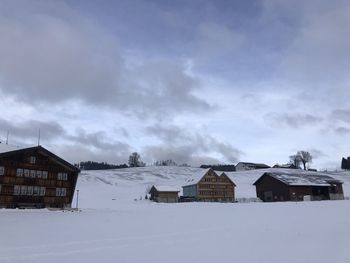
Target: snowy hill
(112, 227)
(104, 188)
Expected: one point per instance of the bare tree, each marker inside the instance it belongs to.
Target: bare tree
(305, 158)
(134, 159)
(295, 160)
(302, 157)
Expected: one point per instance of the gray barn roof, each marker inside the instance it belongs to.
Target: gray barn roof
(302, 178)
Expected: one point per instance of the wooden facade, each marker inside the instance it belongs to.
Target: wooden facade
(210, 187)
(164, 194)
(274, 187)
(36, 178)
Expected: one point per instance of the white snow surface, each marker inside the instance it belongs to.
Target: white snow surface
(113, 227)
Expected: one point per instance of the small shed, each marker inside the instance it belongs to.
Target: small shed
(164, 194)
(298, 186)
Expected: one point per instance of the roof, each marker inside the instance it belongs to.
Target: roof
(288, 166)
(196, 177)
(255, 164)
(165, 188)
(302, 178)
(41, 150)
(8, 147)
(224, 174)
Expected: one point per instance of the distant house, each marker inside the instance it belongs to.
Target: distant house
(208, 186)
(164, 194)
(298, 186)
(35, 178)
(345, 163)
(285, 166)
(244, 166)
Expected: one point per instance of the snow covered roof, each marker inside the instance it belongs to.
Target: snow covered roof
(196, 177)
(254, 164)
(302, 178)
(8, 147)
(165, 188)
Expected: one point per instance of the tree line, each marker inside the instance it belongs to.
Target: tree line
(91, 165)
(220, 167)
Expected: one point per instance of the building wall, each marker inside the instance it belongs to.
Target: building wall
(190, 190)
(167, 197)
(35, 182)
(243, 167)
(297, 193)
(214, 188)
(269, 189)
(164, 197)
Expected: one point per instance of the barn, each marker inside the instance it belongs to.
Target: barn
(208, 186)
(36, 178)
(298, 186)
(164, 194)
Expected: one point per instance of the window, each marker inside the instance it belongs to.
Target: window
(19, 172)
(39, 174)
(36, 190)
(45, 173)
(62, 176)
(16, 190)
(32, 159)
(42, 191)
(30, 190)
(24, 189)
(60, 191)
(2, 170)
(0, 188)
(26, 173)
(32, 173)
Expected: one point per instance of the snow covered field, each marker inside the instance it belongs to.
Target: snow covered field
(112, 227)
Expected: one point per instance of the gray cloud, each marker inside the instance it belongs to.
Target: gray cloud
(293, 120)
(28, 131)
(185, 147)
(51, 54)
(316, 153)
(316, 59)
(98, 140)
(342, 131)
(341, 115)
(78, 152)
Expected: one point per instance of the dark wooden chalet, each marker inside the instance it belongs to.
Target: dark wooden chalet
(164, 194)
(208, 186)
(298, 186)
(36, 178)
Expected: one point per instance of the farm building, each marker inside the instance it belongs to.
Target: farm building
(36, 178)
(298, 186)
(164, 194)
(208, 186)
(285, 166)
(244, 166)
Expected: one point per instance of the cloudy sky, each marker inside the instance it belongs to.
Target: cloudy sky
(196, 81)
